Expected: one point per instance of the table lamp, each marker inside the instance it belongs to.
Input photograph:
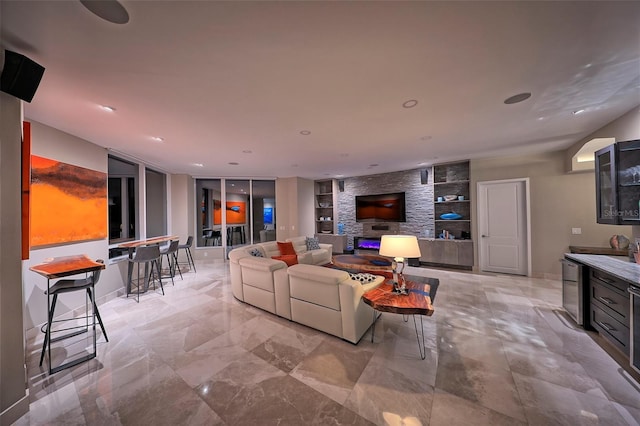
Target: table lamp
(399, 247)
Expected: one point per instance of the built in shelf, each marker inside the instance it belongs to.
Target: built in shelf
(453, 220)
(452, 201)
(451, 182)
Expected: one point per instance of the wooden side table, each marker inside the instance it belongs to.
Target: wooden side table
(417, 302)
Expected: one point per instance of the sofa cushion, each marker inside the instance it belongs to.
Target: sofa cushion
(289, 259)
(286, 248)
(312, 243)
(256, 252)
(299, 244)
(270, 249)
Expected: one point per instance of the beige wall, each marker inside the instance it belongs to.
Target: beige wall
(294, 208)
(625, 128)
(14, 401)
(182, 206)
(57, 145)
(559, 202)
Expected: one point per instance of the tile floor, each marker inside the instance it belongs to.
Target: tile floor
(499, 352)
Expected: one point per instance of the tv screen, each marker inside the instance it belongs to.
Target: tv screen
(381, 208)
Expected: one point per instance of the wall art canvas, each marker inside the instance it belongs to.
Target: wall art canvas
(68, 203)
(236, 213)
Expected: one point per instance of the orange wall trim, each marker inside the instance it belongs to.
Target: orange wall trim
(26, 187)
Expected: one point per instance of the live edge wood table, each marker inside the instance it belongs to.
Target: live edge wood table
(417, 302)
(59, 267)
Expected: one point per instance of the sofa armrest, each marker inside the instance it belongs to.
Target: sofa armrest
(326, 246)
(357, 316)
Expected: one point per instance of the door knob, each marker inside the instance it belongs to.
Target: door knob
(485, 236)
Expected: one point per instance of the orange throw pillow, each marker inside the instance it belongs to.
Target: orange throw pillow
(286, 248)
(289, 259)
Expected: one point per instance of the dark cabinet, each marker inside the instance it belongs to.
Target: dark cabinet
(609, 308)
(618, 183)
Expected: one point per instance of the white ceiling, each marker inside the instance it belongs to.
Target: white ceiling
(215, 79)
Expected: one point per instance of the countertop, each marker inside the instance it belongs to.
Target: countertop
(616, 266)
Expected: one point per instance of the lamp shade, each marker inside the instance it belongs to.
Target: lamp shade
(399, 246)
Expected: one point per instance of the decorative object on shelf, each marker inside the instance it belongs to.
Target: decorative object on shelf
(460, 197)
(341, 229)
(446, 235)
(450, 216)
(325, 232)
(440, 199)
(450, 197)
(619, 242)
(399, 247)
(325, 205)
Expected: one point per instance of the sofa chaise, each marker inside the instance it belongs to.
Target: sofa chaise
(322, 298)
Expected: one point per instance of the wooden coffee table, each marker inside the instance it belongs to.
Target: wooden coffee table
(418, 302)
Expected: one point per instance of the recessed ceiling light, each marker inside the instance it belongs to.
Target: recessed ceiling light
(344, 154)
(246, 151)
(157, 138)
(294, 165)
(305, 132)
(517, 98)
(233, 163)
(425, 138)
(197, 164)
(580, 111)
(542, 118)
(339, 176)
(410, 103)
(107, 108)
(374, 165)
(327, 174)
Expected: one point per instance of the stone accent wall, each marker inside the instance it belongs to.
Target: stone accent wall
(418, 203)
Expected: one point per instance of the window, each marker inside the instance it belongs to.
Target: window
(156, 203)
(123, 202)
(243, 213)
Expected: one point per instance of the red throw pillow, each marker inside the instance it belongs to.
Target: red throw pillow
(286, 248)
(289, 259)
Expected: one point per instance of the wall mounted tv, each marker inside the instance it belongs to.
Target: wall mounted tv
(381, 208)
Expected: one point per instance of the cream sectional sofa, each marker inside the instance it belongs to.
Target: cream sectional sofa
(319, 297)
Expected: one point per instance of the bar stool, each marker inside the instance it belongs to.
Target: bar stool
(187, 249)
(150, 257)
(68, 286)
(171, 251)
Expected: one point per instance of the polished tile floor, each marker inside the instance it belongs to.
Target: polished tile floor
(499, 351)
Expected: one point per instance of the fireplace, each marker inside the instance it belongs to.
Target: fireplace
(366, 243)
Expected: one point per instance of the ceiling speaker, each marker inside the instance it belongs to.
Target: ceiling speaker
(20, 76)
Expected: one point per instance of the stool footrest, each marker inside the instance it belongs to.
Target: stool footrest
(66, 336)
(73, 363)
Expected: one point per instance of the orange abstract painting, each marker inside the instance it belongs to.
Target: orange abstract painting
(68, 203)
(236, 213)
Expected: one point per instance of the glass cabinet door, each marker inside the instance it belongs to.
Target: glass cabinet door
(606, 186)
(628, 177)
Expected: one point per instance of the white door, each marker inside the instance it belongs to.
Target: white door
(503, 226)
